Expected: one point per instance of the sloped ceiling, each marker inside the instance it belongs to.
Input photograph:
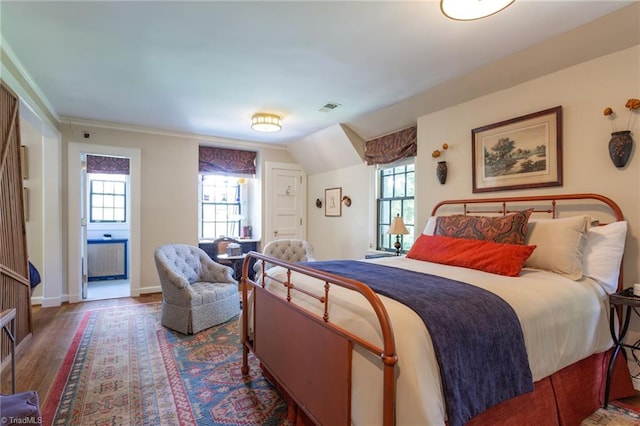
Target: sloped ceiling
(616, 31)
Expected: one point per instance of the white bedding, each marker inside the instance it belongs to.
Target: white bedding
(563, 321)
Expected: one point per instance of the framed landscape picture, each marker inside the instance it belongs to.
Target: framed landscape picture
(520, 153)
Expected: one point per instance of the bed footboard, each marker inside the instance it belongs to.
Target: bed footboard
(307, 354)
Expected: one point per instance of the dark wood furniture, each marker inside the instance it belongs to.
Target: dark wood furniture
(211, 248)
(625, 302)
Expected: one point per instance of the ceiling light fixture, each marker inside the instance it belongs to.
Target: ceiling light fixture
(468, 10)
(263, 122)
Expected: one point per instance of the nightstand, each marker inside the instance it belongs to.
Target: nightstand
(378, 254)
(628, 303)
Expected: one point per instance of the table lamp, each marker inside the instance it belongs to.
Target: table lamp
(397, 228)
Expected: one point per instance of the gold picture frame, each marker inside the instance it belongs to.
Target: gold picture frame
(520, 153)
(333, 202)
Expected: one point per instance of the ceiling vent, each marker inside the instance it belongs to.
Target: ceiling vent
(329, 106)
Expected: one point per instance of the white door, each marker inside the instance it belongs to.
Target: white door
(285, 205)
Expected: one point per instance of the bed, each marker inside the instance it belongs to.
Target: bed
(343, 353)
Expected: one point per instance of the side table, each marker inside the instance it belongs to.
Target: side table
(234, 261)
(628, 303)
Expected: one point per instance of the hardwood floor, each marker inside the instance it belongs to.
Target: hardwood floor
(40, 357)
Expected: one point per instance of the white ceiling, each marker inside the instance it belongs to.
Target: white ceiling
(205, 67)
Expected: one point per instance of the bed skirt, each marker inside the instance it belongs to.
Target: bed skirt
(564, 398)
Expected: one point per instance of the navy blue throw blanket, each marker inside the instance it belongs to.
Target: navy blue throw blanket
(476, 335)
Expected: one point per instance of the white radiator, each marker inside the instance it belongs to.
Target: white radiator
(107, 259)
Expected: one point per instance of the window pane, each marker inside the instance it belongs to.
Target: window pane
(208, 212)
(385, 212)
(387, 187)
(221, 194)
(396, 208)
(107, 198)
(208, 230)
(399, 186)
(408, 212)
(397, 191)
(97, 200)
(119, 188)
(119, 215)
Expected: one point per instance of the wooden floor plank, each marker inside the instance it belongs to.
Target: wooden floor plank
(40, 357)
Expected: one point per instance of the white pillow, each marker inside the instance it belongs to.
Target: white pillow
(559, 245)
(603, 254)
(430, 227)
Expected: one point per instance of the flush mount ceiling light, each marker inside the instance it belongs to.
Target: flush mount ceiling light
(468, 10)
(263, 122)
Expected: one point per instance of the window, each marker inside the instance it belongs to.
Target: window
(107, 198)
(396, 194)
(220, 206)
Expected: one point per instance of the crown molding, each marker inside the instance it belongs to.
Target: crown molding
(214, 140)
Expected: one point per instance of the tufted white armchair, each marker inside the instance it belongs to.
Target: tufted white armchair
(289, 250)
(197, 293)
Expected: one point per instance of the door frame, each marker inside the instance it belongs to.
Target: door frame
(74, 217)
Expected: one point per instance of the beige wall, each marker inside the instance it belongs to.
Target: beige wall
(583, 91)
(348, 236)
(31, 137)
(169, 192)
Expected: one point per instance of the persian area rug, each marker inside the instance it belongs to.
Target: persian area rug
(613, 416)
(124, 368)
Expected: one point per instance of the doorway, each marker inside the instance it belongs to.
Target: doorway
(84, 234)
(106, 206)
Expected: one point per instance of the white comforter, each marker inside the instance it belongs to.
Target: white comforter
(563, 321)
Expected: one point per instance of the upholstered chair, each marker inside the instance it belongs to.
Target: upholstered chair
(197, 293)
(288, 250)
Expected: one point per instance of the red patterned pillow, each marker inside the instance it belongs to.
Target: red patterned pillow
(511, 228)
(487, 256)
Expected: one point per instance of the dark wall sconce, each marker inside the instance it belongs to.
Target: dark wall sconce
(347, 201)
(318, 203)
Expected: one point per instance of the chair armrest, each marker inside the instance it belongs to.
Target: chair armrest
(216, 273)
(177, 280)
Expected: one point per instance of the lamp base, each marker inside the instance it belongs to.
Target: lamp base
(397, 245)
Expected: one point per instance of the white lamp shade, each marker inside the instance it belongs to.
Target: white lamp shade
(467, 10)
(263, 122)
(397, 227)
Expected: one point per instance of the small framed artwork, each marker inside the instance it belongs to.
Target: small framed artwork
(23, 162)
(333, 202)
(25, 203)
(520, 153)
